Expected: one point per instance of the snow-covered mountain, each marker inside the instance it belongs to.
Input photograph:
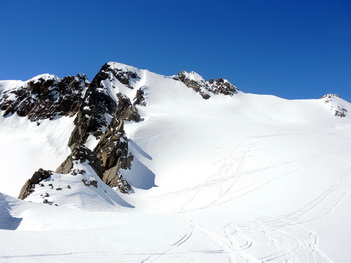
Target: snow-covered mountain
(138, 167)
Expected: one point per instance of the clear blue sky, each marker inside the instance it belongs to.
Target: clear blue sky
(289, 48)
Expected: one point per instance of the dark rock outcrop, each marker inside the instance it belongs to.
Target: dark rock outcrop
(91, 118)
(198, 85)
(206, 88)
(98, 103)
(139, 98)
(29, 186)
(126, 111)
(112, 148)
(82, 154)
(46, 98)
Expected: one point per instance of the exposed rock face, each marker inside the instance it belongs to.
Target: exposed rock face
(109, 156)
(195, 82)
(29, 186)
(112, 148)
(82, 154)
(206, 88)
(91, 117)
(139, 98)
(126, 110)
(46, 98)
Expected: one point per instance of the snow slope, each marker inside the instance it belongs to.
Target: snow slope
(26, 147)
(243, 178)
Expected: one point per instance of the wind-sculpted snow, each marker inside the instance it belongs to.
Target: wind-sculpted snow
(228, 177)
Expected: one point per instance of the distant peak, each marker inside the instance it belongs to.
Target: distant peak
(336, 105)
(330, 96)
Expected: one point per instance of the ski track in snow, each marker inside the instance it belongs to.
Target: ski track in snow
(227, 180)
(291, 241)
(286, 244)
(177, 244)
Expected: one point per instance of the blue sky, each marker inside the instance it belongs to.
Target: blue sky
(291, 49)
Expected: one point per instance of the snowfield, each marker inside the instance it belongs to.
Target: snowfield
(242, 178)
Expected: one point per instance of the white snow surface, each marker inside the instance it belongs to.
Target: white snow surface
(247, 178)
(26, 147)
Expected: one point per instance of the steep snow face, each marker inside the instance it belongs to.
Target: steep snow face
(230, 178)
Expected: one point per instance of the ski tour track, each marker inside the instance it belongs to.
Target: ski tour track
(285, 237)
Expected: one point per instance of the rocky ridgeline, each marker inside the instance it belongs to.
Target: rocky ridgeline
(45, 98)
(206, 88)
